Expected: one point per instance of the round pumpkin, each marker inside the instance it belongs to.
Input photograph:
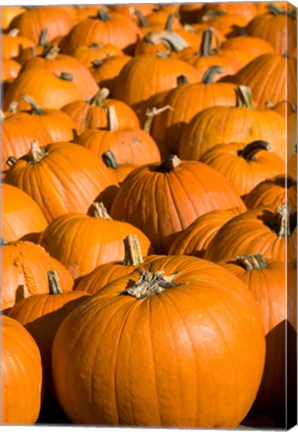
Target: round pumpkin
(21, 375)
(162, 199)
(160, 351)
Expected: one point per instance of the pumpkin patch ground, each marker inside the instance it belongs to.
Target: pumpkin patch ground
(149, 215)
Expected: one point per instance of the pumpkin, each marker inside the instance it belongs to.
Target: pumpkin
(246, 9)
(30, 23)
(8, 13)
(93, 114)
(9, 70)
(276, 26)
(41, 315)
(157, 333)
(273, 286)
(161, 72)
(60, 177)
(30, 52)
(105, 71)
(57, 92)
(244, 165)
(12, 43)
(103, 28)
(273, 192)
(194, 239)
(57, 63)
(24, 272)
(21, 375)
(162, 199)
(271, 233)
(271, 78)
(120, 171)
(129, 9)
(21, 215)
(251, 46)
(228, 23)
(86, 54)
(186, 100)
(130, 146)
(205, 57)
(110, 271)
(220, 125)
(82, 242)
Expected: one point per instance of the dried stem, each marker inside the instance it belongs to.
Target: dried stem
(150, 284)
(100, 211)
(250, 150)
(54, 283)
(252, 262)
(133, 253)
(151, 113)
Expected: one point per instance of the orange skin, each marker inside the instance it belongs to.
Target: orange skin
(106, 74)
(25, 266)
(21, 215)
(87, 53)
(274, 288)
(163, 203)
(21, 375)
(11, 45)
(83, 242)
(156, 360)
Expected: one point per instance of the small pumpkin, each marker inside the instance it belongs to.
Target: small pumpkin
(21, 375)
(82, 242)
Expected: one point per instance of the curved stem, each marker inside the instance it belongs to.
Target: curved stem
(253, 148)
(99, 99)
(243, 97)
(210, 73)
(36, 153)
(110, 160)
(252, 262)
(142, 20)
(169, 22)
(169, 164)
(35, 108)
(100, 211)
(151, 113)
(54, 283)
(113, 125)
(133, 253)
(150, 284)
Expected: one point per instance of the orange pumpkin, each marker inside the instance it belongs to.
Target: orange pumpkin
(8, 13)
(86, 54)
(21, 375)
(12, 43)
(162, 199)
(24, 272)
(164, 319)
(106, 71)
(83, 242)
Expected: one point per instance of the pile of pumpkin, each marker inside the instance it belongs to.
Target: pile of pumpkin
(149, 213)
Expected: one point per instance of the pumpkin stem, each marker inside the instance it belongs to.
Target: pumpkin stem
(112, 119)
(151, 113)
(169, 164)
(13, 107)
(253, 148)
(94, 46)
(252, 262)
(150, 284)
(141, 18)
(205, 48)
(3, 241)
(2, 115)
(100, 211)
(213, 14)
(243, 97)
(169, 22)
(109, 159)
(133, 253)
(275, 10)
(103, 15)
(210, 73)
(99, 99)
(42, 40)
(54, 283)
(35, 108)
(182, 79)
(50, 52)
(13, 32)
(66, 76)
(170, 39)
(282, 220)
(97, 63)
(11, 161)
(36, 153)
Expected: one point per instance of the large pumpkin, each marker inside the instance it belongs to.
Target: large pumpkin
(162, 199)
(180, 345)
(21, 375)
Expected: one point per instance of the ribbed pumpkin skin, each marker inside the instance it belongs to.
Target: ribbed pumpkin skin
(271, 77)
(244, 174)
(273, 192)
(251, 46)
(274, 290)
(21, 215)
(67, 179)
(187, 100)
(21, 375)
(251, 233)
(24, 272)
(223, 125)
(161, 73)
(195, 238)
(156, 361)
(162, 204)
(83, 242)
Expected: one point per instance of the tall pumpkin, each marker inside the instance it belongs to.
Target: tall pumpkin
(162, 199)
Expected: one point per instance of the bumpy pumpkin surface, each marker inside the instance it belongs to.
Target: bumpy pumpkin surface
(174, 347)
